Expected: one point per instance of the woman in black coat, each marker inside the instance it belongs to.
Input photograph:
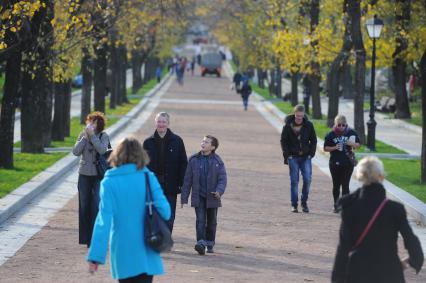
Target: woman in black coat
(376, 257)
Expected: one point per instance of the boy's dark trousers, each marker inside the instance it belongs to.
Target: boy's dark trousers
(206, 223)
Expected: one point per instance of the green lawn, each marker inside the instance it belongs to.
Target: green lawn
(406, 174)
(26, 166)
(29, 165)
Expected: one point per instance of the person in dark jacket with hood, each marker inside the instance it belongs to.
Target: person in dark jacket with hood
(168, 160)
(206, 177)
(374, 258)
(299, 144)
(245, 91)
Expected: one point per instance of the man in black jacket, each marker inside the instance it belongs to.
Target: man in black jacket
(299, 143)
(168, 160)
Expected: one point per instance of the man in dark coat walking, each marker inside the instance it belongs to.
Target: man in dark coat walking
(168, 160)
(299, 144)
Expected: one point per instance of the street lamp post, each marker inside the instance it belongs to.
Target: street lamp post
(374, 27)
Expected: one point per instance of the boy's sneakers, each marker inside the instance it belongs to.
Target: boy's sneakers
(305, 208)
(210, 249)
(294, 209)
(200, 248)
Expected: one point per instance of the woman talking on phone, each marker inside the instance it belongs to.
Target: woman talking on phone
(91, 141)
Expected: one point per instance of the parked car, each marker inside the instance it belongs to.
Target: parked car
(211, 63)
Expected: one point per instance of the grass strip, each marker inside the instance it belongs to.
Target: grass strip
(28, 165)
(406, 175)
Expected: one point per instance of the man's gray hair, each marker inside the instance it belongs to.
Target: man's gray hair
(164, 115)
(299, 108)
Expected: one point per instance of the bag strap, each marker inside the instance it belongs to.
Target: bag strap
(148, 201)
(370, 223)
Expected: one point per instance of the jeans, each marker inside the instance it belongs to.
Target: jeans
(88, 205)
(206, 223)
(341, 176)
(141, 278)
(172, 202)
(304, 165)
(245, 102)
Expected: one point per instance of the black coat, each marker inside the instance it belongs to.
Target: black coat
(175, 162)
(376, 259)
(292, 146)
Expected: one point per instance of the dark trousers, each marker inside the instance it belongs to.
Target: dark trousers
(172, 202)
(88, 204)
(341, 176)
(141, 278)
(206, 223)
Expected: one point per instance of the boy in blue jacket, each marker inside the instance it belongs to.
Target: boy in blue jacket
(206, 176)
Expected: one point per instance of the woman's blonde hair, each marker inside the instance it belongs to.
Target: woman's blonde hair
(340, 119)
(129, 150)
(370, 170)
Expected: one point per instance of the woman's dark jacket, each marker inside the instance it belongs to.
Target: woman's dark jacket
(246, 90)
(175, 161)
(292, 146)
(376, 259)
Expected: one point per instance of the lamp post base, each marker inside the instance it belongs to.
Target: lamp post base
(371, 134)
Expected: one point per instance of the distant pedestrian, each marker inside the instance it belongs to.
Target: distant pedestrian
(245, 91)
(237, 81)
(299, 144)
(120, 220)
(91, 141)
(340, 142)
(192, 66)
(373, 257)
(206, 178)
(158, 73)
(168, 160)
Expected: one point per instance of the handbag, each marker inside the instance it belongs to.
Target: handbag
(157, 234)
(102, 164)
(370, 224)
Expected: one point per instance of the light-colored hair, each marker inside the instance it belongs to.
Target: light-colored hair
(129, 150)
(299, 108)
(164, 115)
(370, 170)
(100, 119)
(340, 119)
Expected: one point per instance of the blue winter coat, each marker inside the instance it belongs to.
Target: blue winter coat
(121, 221)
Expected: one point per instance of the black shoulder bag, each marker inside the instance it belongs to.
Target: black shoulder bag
(101, 163)
(157, 232)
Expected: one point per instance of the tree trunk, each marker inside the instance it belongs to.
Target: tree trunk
(315, 76)
(423, 85)
(355, 11)
(123, 75)
(58, 127)
(67, 107)
(278, 81)
(402, 19)
(115, 76)
(294, 93)
(336, 68)
(86, 90)
(272, 83)
(346, 82)
(100, 78)
(36, 118)
(136, 71)
(8, 107)
(260, 78)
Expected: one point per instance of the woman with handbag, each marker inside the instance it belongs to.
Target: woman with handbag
(91, 143)
(367, 250)
(340, 142)
(121, 216)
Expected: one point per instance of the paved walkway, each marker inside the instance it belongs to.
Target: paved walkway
(388, 130)
(258, 239)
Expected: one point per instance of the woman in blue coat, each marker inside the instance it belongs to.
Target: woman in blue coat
(121, 217)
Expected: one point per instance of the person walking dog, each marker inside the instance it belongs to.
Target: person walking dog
(368, 251)
(299, 144)
(91, 142)
(120, 221)
(206, 177)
